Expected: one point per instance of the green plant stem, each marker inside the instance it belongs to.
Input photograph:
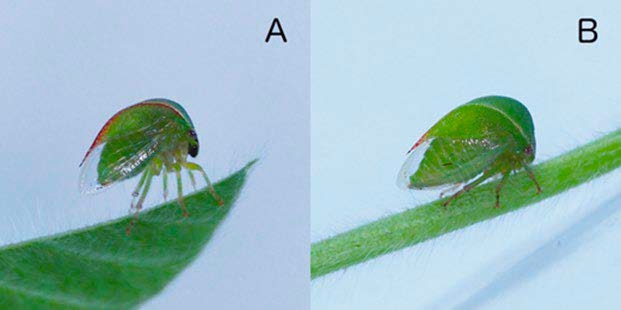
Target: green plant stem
(431, 220)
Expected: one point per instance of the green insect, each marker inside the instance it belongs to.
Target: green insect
(476, 141)
(152, 137)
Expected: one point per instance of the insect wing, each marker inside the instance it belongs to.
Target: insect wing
(447, 161)
(412, 162)
(121, 157)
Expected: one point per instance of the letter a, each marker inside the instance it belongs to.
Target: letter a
(280, 32)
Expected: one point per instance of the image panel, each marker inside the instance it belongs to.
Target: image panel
(155, 155)
(465, 155)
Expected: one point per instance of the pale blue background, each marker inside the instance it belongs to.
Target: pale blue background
(384, 72)
(67, 67)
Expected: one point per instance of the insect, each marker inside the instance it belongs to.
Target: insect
(151, 137)
(474, 142)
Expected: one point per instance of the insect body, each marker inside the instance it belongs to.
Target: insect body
(476, 141)
(152, 137)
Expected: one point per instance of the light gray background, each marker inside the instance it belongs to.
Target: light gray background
(384, 72)
(67, 67)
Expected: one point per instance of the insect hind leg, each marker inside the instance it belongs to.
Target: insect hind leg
(194, 166)
(136, 191)
(148, 177)
(450, 189)
(468, 187)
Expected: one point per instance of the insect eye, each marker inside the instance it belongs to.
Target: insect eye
(193, 146)
(528, 150)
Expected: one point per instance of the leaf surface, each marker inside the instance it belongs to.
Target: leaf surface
(101, 267)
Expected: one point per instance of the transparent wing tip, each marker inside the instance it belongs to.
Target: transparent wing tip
(88, 183)
(403, 178)
(411, 164)
(89, 188)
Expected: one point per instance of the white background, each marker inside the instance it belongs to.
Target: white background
(383, 73)
(67, 67)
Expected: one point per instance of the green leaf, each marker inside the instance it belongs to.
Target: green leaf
(431, 220)
(102, 267)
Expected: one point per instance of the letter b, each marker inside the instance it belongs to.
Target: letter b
(587, 25)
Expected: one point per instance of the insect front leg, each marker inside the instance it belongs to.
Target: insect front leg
(212, 190)
(531, 175)
(192, 180)
(177, 169)
(143, 195)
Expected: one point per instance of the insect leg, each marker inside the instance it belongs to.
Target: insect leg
(192, 178)
(500, 185)
(143, 195)
(136, 191)
(165, 180)
(468, 187)
(450, 189)
(531, 175)
(194, 166)
(180, 190)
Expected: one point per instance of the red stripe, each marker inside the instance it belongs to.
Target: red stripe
(104, 129)
(421, 140)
